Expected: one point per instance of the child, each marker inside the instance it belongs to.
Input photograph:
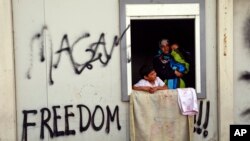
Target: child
(149, 82)
(178, 57)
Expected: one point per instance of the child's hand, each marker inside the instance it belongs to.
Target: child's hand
(147, 89)
(152, 89)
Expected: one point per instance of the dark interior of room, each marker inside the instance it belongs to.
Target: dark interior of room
(145, 37)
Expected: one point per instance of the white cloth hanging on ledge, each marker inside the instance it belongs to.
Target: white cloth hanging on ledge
(187, 100)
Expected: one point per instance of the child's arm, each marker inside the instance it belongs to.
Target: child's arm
(142, 88)
(162, 87)
(154, 89)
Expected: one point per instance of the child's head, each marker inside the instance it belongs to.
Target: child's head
(147, 72)
(174, 46)
(164, 46)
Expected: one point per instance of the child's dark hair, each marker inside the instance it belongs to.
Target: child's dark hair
(145, 70)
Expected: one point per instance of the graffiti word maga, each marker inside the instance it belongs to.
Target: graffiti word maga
(47, 115)
(43, 38)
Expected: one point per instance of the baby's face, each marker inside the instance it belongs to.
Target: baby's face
(174, 46)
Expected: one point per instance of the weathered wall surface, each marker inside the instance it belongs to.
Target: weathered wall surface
(241, 63)
(68, 70)
(209, 105)
(7, 88)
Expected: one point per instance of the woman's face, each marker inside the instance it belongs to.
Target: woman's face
(165, 48)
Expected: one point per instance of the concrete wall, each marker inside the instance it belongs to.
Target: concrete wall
(59, 32)
(83, 80)
(225, 67)
(241, 63)
(7, 88)
(211, 77)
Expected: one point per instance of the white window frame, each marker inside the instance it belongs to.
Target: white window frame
(164, 11)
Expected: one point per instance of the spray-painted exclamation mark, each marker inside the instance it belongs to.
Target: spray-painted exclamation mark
(194, 123)
(199, 130)
(205, 133)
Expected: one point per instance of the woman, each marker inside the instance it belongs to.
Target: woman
(166, 67)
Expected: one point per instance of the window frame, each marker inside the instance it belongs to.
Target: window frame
(127, 13)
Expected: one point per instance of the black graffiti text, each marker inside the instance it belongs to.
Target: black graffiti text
(48, 115)
(198, 129)
(97, 50)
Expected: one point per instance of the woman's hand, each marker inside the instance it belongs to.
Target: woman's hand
(178, 74)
